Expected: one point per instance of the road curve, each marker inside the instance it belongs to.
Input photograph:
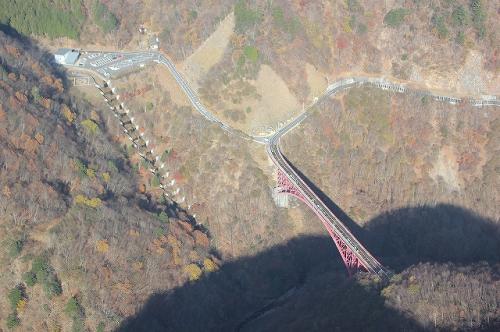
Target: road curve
(383, 84)
(371, 264)
(195, 101)
(332, 89)
(273, 149)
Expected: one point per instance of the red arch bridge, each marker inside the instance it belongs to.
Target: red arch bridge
(354, 254)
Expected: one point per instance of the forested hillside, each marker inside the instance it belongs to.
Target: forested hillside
(80, 246)
(379, 151)
(87, 242)
(419, 175)
(53, 19)
(386, 160)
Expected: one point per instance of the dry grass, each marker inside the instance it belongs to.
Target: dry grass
(275, 104)
(316, 80)
(209, 53)
(446, 168)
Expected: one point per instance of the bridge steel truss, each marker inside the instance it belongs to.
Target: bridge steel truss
(355, 256)
(352, 263)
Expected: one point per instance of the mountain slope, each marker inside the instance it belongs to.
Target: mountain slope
(80, 245)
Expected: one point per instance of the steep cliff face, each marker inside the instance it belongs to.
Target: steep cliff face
(75, 231)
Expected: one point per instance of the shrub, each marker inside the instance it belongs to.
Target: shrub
(105, 19)
(12, 320)
(100, 327)
(90, 125)
(15, 248)
(29, 278)
(251, 53)
(395, 17)
(459, 16)
(73, 309)
(163, 217)
(15, 295)
(209, 265)
(478, 17)
(244, 16)
(194, 272)
(440, 26)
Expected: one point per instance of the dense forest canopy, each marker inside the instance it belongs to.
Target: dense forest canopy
(77, 237)
(55, 18)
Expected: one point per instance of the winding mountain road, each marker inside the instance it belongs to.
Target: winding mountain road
(346, 242)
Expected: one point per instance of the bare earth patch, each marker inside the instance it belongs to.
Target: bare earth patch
(150, 85)
(168, 83)
(275, 104)
(446, 168)
(209, 53)
(316, 81)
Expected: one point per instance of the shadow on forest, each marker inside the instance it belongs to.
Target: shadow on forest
(355, 229)
(236, 297)
(440, 233)
(32, 47)
(302, 285)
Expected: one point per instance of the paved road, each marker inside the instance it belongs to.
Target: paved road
(122, 61)
(273, 150)
(195, 101)
(113, 64)
(383, 84)
(316, 203)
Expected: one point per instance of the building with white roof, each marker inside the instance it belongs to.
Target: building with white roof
(66, 56)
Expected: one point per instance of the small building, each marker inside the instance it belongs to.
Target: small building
(154, 42)
(66, 56)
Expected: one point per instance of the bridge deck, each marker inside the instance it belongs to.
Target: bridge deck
(367, 260)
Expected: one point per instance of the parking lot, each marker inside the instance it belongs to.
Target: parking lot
(112, 64)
